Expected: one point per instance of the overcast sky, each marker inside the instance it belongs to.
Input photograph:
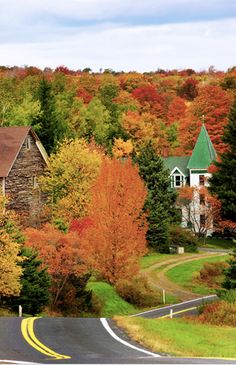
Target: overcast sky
(141, 35)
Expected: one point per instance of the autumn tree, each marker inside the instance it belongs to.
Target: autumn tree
(68, 177)
(188, 89)
(116, 240)
(200, 210)
(61, 254)
(160, 201)
(223, 181)
(214, 104)
(10, 271)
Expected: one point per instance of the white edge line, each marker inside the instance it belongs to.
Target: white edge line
(18, 362)
(173, 305)
(109, 330)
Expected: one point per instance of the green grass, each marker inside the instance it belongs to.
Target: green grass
(181, 337)
(219, 243)
(183, 274)
(153, 258)
(112, 303)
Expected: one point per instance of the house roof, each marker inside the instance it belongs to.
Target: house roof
(179, 162)
(11, 141)
(203, 153)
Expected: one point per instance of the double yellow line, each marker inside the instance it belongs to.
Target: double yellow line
(27, 329)
(182, 311)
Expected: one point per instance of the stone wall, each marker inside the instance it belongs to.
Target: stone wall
(21, 183)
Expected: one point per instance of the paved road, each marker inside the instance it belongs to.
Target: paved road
(81, 341)
(189, 307)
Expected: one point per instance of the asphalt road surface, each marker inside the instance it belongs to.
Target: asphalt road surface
(81, 341)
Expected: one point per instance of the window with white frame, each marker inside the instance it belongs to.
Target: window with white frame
(177, 181)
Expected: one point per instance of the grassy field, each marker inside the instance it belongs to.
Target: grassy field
(153, 258)
(112, 303)
(181, 337)
(183, 274)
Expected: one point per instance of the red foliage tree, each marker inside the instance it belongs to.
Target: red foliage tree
(189, 89)
(116, 239)
(214, 104)
(150, 99)
(61, 254)
(176, 110)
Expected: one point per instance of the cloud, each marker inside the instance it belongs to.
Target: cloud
(122, 47)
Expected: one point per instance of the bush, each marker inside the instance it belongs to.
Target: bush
(138, 292)
(212, 273)
(181, 237)
(219, 313)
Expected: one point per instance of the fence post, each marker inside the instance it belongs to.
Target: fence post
(164, 296)
(20, 311)
(171, 313)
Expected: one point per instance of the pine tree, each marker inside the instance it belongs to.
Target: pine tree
(223, 181)
(50, 129)
(230, 274)
(35, 283)
(160, 202)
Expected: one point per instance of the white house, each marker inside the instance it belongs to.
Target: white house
(193, 171)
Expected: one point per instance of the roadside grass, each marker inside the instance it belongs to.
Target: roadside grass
(112, 303)
(183, 274)
(181, 337)
(219, 243)
(7, 313)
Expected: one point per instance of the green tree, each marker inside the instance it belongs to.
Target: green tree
(230, 273)
(51, 129)
(160, 202)
(223, 181)
(35, 283)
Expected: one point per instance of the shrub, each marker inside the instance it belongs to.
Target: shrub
(212, 273)
(220, 313)
(138, 292)
(181, 237)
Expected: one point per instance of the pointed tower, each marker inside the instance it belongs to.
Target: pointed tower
(202, 156)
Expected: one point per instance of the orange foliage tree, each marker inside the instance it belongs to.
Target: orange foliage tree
(60, 252)
(116, 239)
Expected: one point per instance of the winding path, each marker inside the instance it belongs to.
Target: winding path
(162, 282)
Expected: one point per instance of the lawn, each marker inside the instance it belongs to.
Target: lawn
(218, 243)
(183, 274)
(154, 258)
(112, 303)
(181, 337)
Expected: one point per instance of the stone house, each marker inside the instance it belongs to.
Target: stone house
(193, 171)
(22, 160)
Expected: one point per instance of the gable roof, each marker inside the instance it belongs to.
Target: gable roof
(179, 162)
(203, 153)
(11, 141)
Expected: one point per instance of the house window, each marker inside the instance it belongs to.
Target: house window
(28, 143)
(177, 181)
(35, 182)
(202, 220)
(201, 180)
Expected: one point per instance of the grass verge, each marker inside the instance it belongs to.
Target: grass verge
(113, 304)
(153, 258)
(218, 243)
(183, 274)
(181, 337)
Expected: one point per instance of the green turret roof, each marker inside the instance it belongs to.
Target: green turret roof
(203, 153)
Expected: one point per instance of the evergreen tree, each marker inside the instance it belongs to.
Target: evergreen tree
(160, 202)
(50, 129)
(230, 274)
(35, 283)
(223, 181)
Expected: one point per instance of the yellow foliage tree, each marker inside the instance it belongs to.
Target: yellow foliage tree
(122, 148)
(68, 178)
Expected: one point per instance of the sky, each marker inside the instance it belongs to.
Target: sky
(123, 35)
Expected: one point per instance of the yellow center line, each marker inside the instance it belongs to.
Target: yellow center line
(27, 329)
(174, 313)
